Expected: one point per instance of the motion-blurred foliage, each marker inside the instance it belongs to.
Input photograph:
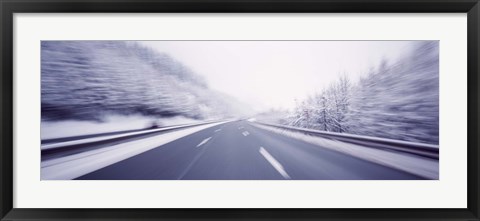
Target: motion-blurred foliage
(397, 100)
(86, 80)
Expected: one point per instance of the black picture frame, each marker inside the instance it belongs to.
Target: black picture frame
(9, 7)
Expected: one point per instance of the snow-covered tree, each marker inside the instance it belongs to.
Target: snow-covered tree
(397, 100)
(400, 100)
(89, 79)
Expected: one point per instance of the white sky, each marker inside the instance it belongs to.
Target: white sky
(272, 74)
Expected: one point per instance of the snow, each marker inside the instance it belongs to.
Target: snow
(398, 100)
(106, 137)
(86, 80)
(423, 167)
(73, 166)
(112, 123)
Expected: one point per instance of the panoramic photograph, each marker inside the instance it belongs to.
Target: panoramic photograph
(239, 110)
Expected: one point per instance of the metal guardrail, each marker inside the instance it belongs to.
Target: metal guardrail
(420, 149)
(75, 146)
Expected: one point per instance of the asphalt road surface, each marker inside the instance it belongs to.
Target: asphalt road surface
(239, 151)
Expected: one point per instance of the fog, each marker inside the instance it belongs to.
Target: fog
(274, 74)
(246, 110)
(376, 88)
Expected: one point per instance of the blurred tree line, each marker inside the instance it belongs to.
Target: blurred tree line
(87, 80)
(397, 100)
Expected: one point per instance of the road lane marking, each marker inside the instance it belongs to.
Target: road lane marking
(274, 163)
(245, 133)
(204, 141)
(217, 130)
(76, 165)
(240, 128)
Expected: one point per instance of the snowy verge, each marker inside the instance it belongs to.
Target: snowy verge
(424, 167)
(73, 166)
(70, 128)
(110, 137)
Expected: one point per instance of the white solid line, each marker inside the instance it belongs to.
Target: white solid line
(217, 130)
(245, 133)
(274, 163)
(204, 141)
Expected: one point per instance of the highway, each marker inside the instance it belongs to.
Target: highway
(239, 150)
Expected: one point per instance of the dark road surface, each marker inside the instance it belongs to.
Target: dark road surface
(239, 151)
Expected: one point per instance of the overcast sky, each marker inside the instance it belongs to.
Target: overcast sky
(272, 74)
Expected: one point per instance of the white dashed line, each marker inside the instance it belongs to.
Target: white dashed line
(245, 133)
(204, 141)
(240, 128)
(217, 130)
(274, 163)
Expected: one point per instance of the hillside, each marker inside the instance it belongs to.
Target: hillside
(89, 80)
